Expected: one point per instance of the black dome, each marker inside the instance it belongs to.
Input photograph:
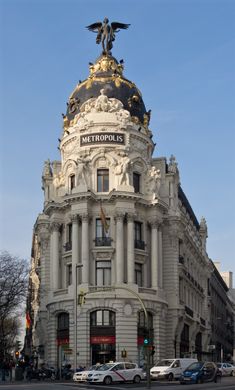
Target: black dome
(106, 74)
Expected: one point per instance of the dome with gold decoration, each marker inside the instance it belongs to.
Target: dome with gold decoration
(107, 74)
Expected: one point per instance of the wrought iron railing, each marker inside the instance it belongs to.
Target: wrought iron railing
(103, 241)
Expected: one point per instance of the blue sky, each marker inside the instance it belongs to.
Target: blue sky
(180, 54)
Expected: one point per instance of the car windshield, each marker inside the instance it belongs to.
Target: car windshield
(105, 367)
(165, 362)
(92, 368)
(195, 366)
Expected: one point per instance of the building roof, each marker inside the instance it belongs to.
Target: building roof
(107, 74)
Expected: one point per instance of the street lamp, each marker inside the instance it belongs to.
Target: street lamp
(75, 315)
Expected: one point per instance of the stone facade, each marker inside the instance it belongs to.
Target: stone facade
(117, 227)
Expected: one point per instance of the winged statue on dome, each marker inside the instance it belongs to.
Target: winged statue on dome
(106, 33)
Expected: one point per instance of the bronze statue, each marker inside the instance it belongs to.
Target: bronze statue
(106, 33)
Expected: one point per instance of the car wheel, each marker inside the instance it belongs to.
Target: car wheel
(136, 379)
(107, 380)
(170, 376)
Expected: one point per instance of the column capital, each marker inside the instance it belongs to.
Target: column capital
(74, 218)
(55, 226)
(85, 217)
(154, 223)
(119, 216)
(130, 217)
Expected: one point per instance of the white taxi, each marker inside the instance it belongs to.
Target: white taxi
(116, 372)
(81, 376)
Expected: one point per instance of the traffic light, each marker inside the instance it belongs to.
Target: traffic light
(81, 298)
(17, 354)
(146, 341)
(153, 350)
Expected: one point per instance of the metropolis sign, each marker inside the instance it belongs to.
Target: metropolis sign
(102, 138)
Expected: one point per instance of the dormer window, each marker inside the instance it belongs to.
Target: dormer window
(102, 180)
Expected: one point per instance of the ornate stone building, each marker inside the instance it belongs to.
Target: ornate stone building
(117, 227)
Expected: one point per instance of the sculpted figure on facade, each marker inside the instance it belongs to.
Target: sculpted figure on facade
(154, 181)
(47, 171)
(122, 171)
(59, 180)
(83, 172)
(172, 167)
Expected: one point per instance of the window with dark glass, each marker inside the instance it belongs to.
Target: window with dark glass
(102, 318)
(72, 182)
(63, 326)
(136, 182)
(63, 321)
(69, 274)
(138, 274)
(103, 273)
(68, 244)
(102, 180)
(139, 243)
(102, 232)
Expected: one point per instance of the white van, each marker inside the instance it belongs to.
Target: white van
(170, 368)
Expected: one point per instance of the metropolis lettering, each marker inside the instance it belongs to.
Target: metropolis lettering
(102, 138)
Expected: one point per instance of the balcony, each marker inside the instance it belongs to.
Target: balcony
(68, 246)
(103, 241)
(139, 244)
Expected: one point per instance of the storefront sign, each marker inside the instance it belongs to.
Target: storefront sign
(102, 138)
(102, 340)
(61, 341)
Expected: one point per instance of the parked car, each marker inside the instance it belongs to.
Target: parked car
(170, 368)
(200, 372)
(116, 372)
(226, 369)
(81, 375)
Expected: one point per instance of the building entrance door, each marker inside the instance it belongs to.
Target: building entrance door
(102, 353)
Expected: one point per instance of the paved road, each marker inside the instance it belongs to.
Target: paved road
(227, 383)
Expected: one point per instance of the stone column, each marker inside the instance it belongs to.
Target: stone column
(119, 249)
(160, 261)
(130, 249)
(75, 250)
(154, 254)
(55, 227)
(85, 248)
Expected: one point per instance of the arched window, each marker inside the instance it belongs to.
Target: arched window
(102, 318)
(71, 182)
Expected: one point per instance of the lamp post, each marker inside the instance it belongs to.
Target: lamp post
(75, 315)
(146, 318)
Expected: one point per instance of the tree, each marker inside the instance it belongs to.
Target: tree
(13, 290)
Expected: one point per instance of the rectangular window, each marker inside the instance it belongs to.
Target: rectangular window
(103, 273)
(136, 182)
(102, 235)
(139, 243)
(139, 274)
(102, 180)
(69, 274)
(68, 244)
(138, 230)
